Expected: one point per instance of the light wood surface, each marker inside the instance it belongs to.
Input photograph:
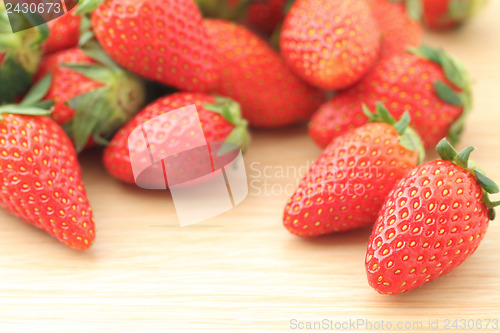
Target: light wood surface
(242, 271)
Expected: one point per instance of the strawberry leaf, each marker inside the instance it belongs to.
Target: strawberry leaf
(447, 94)
(446, 150)
(463, 158)
(486, 183)
(414, 9)
(38, 92)
(14, 80)
(93, 72)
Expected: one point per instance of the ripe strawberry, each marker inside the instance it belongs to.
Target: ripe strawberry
(217, 126)
(20, 55)
(40, 179)
(427, 83)
(160, 40)
(93, 96)
(447, 14)
(64, 33)
(345, 188)
(330, 44)
(255, 76)
(265, 15)
(399, 26)
(432, 221)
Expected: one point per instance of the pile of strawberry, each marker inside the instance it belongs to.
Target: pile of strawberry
(85, 78)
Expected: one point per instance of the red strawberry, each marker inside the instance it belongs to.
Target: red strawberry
(399, 27)
(255, 76)
(92, 99)
(345, 188)
(330, 44)
(64, 33)
(40, 177)
(427, 83)
(216, 128)
(446, 14)
(20, 55)
(432, 221)
(265, 15)
(162, 40)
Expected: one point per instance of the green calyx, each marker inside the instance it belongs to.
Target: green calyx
(102, 111)
(223, 9)
(456, 73)
(32, 104)
(409, 139)
(88, 6)
(461, 11)
(462, 159)
(414, 8)
(22, 54)
(231, 111)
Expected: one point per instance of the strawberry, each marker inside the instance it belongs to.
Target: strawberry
(217, 125)
(265, 15)
(398, 24)
(447, 14)
(431, 222)
(254, 75)
(40, 177)
(20, 55)
(430, 85)
(330, 44)
(93, 96)
(338, 116)
(64, 33)
(345, 188)
(162, 40)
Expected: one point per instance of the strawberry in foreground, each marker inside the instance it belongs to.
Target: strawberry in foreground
(159, 40)
(330, 44)
(345, 188)
(432, 221)
(218, 126)
(427, 83)
(20, 55)
(270, 95)
(93, 96)
(398, 24)
(64, 33)
(40, 176)
(448, 14)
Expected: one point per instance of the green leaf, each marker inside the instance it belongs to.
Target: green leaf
(463, 157)
(454, 71)
(44, 104)
(23, 110)
(426, 52)
(486, 183)
(238, 136)
(88, 6)
(411, 141)
(90, 109)
(38, 91)
(447, 94)
(446, 150)
(93, 50)
(414, 9)
(14, 80)
(403, 123)
(93, 72)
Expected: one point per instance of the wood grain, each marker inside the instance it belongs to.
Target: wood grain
(241, 271)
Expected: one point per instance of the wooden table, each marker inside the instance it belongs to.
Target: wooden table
(242, 271)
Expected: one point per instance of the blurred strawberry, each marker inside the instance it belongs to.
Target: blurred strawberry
(265, 15)
(93, 96)
(159, 40)
(330, 44)
(254, 75)
(20, 55)
(64, 33)
(447, 14)
(399, 27)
